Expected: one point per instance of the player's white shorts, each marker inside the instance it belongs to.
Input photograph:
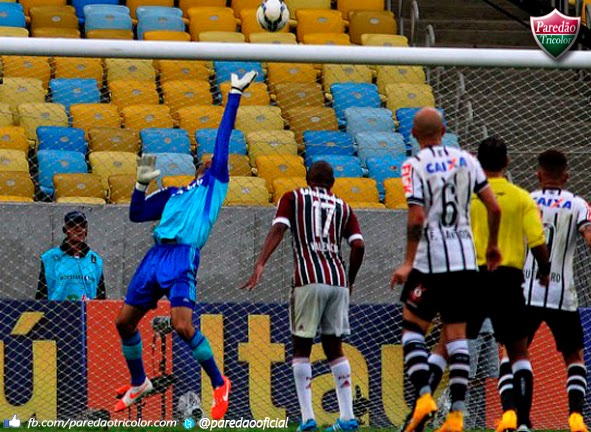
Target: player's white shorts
(319, 307)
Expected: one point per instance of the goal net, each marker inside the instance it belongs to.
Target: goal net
(75, 115)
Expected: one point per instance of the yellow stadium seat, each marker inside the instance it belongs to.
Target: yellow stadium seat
(279, 73)
(13, 32)
(134, 4)
(167, 35)
(257, 118)
(205, 19)
(295, 5)
(199, 117)
(82, 188)
(12, 198)
(584, 12)
(409, 96)
(370, 22)
(186, 5)
(28, 4)
(311, 118)
(356, 205)
(127, 92)
(172, 70)
(237, 164)
(120, 188)
(222, 36)
(398, 74)
(113, 139)
(272, 167)
(339, 73)
(363, 190)
(15, 91)
(6, 116)
(346, 6)
(256, 94)
(60, 17)
(276, 38)
(16, 184)
(177, 181)
(238, 6)
(78, 67)
(109, 34)
(130, 69)
(108, 163)
(33, 115)
(247, 191)
(56, 32)
(27, 67)
(394, 198)
(318, 21)
(296, 95)
(327, 39)
(139, 117)
(286, 184)
(14, 138)
(13, 160)
(384, 40)
(179, 94)
(88, 116)
(249, 24)
(270, 143)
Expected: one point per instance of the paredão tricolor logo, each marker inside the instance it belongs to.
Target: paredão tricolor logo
(555, 33)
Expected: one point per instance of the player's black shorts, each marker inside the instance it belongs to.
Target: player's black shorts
(449, 294)
(565, 327)
(499, 296)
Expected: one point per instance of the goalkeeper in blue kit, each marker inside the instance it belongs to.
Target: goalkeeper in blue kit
(186, 216)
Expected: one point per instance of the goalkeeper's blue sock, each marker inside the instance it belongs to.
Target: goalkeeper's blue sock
(202, 353)
(132, 351)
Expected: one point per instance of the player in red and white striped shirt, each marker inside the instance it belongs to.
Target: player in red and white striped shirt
(318, 221)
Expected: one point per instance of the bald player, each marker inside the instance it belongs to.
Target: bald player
(440, 270)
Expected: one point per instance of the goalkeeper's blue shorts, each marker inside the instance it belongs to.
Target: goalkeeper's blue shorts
(167, 270)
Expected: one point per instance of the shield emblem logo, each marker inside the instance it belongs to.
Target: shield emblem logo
(555, 33)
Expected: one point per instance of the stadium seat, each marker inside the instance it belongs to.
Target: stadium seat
(343, 166)
(398, 74)
(158, 10)
(199, 117)
(167, 35)
(26, 67)
(113, 139)
(320, 143)
(13, 160)
(295, 95)
(101, 20)
(174, 164)
(180, 94)
(69, 91)
(247, 191)
(52, 162)
(258, 118)
(318, 21)
(311, 118)
(79, 188)
(159, 22)
(13, 138)
(382, 168)
(62, 138)
(369, 120)
(286, 184)
(33, 115)
(89, 116)
(172, 70)
(177, 181)
(204, 19)
(224, 70)
(12, 16)
(130, 69)
(276, 38)
(394, 198)
(356, 190)
(222, 36)
(284, 73)
(16, 31)
(388, 40)
(273, 167)
(187, 5)
(206, 141)
(409, 96)
(108, 163)
(139, 117)
(16, 186)
(237, 164)
(346, 6)
(379, 144)
(6, 115)
(448, 140)
(353, 95)
(56, 32)
(256, 94)
(16, 91)
(250, 25)
(79, 67)
(343, 73)
(125, 93)
(327, 39)
(109, 34)
(405, 117)
(295, 5)
(239, 6)
(270, 143)
(134, 5)
(370, 21)
(165, 140)
(120, 188)
(89, 9)
(53, 17)
(79, 6)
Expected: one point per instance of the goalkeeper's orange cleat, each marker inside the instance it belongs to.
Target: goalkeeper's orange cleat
(508, 422)
(134, 394)
(425, 409)
(453, 423)
(576, 423)
(221, 396)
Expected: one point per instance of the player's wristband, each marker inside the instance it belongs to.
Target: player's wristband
(141, 187)
(544, 269)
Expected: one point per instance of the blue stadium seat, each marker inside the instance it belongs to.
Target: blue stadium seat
(143, 11)
(382, 168)
(343, 166)
(105, 8)
(379, 144)
(327, 143)
(448, 140)
(173, 164)
(159, 22)
(223, 70)
(105, 20)
(62, 138)
(53, 162)
(79, 6)
(369, 120)
(206, 141)
(353, 95)
(69, 91)
(405, 117)
(165, 140)
(12, 15)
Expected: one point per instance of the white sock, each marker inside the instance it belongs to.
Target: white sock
(302, 374)
(341, 371)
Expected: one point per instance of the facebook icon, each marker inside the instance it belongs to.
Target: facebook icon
(14, 422)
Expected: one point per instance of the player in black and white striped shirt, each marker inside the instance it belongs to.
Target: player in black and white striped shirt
(440, 269)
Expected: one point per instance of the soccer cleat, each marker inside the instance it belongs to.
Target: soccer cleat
(309, 426)
(425, 409)
(523, 428)
(420, 427)
(133, 394)
(453, 423)
(576, 423)
(221, 396)
(341, 425)
(508, 422)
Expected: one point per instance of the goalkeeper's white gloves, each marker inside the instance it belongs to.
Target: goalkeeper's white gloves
(241, 84)
(146, 171)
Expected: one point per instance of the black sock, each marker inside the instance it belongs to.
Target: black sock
(576, 387)
(523, 390)
(415, 360)
(505, 385)
(459, 371)
(437, 365)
